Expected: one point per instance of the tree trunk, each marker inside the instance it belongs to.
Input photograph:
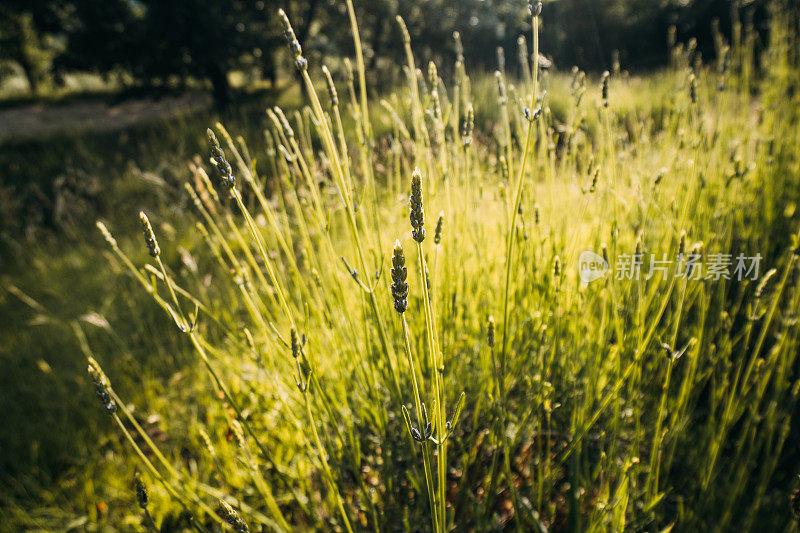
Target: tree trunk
(308, 19)
(268, 70)
(30, 74)
(221, 88)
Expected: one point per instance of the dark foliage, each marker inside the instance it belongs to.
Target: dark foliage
(151, 43)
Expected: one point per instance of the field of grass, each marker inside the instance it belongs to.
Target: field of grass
(374, 313)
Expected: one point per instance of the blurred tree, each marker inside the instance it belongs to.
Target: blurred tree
(587, 32)
(483, 24)
(200, 38)
(573, 32)
(160, 43)
(102, 36)
(24, 39)
(156, 41)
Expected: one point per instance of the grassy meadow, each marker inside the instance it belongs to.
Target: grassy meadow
(369, 310)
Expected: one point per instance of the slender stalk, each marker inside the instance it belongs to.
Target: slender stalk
(512, 230)
(512, 226)
(164, 482)
(362, 80)
(426, 460)
(267, 261)
(325, 467)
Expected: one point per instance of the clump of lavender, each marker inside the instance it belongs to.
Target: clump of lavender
(606, 76)
(468, 126)
(101, 387)
(143, 500)
(294, 341)
(208, 444)
(437, 234)
(433, 80)
(403, 30)
(522, 51)
(291, 40)
(459, 47)
(149, 236)
(238, 432)
(501, 58)
(107, 234)
(141, 491)
(230, 515)
(226, 178)
(399, 273)
(417, 214)
(284, 122)
(331, 87)
(501, 87)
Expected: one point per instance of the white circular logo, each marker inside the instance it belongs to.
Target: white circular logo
(591, 266)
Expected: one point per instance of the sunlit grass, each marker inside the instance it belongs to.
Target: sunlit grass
(324, 399)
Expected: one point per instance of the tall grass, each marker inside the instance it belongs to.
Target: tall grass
(340, 399)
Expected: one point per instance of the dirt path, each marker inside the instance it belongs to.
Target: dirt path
(36, 121)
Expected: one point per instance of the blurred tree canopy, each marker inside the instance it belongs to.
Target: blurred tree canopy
(152, 43)
(26, 28)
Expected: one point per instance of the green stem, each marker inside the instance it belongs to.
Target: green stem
(325, 468)
(437, 368)
(426, 460)
(509, 249)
